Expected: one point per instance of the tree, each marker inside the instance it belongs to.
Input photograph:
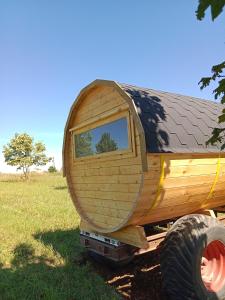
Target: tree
(23, 153)
(83, 144)
(106, 144)
(52, 169)
(218, 134)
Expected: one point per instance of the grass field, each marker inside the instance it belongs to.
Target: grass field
(40, 254)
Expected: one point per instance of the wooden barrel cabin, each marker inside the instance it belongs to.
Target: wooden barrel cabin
(135, 156)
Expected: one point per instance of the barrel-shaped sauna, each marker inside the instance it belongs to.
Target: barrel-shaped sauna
(134, 156)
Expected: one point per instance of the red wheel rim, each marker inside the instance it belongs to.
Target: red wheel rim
(213, 266)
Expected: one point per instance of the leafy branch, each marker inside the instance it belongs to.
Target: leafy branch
(216, 7)
(218, 134)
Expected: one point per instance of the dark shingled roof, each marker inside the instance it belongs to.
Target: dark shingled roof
(175, 123)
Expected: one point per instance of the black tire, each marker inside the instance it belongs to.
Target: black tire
(181, 258)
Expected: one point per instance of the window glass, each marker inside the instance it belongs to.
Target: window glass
(106, 138)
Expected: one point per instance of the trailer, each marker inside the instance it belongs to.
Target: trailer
(141, 177)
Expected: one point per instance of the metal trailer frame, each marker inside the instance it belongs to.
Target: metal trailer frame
(116, 251)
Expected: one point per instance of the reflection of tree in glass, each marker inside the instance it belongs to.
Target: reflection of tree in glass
(106, 144)
(83, 144)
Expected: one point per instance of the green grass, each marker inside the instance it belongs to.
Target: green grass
(40, 253)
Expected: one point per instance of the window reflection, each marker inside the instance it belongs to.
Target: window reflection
(106, 138)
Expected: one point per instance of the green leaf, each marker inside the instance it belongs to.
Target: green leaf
(223, 99)
(202, 7)
(216, 8)
(220, 90)
(215, 5)
(222, 118)
(215, 136)
(204, 82)
(218, 69)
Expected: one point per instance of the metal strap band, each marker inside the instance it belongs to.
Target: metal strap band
(215, 179)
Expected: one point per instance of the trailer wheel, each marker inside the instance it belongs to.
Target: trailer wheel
(192, 259)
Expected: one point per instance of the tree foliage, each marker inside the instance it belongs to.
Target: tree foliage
(106, 144)
(83, 143)
(52, 169)
(216, 7)
(219, 93)
(218, 134)
(23, 153)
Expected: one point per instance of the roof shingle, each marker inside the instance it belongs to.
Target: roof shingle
(175, 123)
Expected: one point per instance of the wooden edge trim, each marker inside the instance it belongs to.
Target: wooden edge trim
(155, 201)
(121, 110)
(138, 124)
(131, 235)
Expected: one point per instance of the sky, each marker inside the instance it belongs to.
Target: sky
(50, 50)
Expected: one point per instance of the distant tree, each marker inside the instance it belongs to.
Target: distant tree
(218, 71)
(83, 144)
(106, 144)
(52, 169)
(23, 153)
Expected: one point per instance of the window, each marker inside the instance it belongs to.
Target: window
(106, 138)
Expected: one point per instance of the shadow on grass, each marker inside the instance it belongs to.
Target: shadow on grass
(78, 277)
(140, 280)
(67, 276)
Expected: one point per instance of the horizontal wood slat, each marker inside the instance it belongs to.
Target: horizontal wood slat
(186, 185)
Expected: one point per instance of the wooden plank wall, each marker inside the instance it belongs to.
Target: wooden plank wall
(106, 188)
(190, 183)
(109, 191)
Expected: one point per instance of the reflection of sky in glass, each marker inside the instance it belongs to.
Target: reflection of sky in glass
(117, 130)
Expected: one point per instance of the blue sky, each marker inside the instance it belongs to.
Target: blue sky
(49, 50)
